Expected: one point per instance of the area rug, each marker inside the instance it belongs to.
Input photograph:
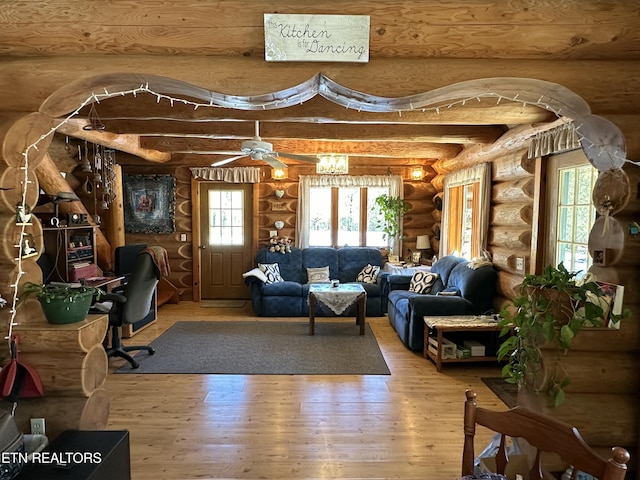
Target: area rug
(507, 392)
(264, 348)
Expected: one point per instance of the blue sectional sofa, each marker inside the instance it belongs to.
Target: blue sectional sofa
(289, 298)
(459, 290)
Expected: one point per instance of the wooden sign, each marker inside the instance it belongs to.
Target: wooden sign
(316, 38)
(278, 206)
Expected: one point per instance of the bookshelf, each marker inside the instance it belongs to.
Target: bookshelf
(72, 252)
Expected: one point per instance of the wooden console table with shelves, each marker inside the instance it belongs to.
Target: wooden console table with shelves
(462, 326)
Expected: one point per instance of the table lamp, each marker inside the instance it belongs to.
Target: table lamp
(423, 244)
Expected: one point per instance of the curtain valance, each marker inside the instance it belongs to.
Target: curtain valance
(228, 174)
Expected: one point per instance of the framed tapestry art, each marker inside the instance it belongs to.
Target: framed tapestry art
(149, 203)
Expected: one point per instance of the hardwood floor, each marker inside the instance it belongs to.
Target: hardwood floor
(405, 425)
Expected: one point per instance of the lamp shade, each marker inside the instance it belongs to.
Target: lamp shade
(423, 242)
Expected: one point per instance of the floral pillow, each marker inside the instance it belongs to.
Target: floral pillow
(318, 275)
(421, 282)
(368, 274)
(272, 272)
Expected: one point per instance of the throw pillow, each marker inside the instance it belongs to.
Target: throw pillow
(368, 274)
(421, 282)
(271, 271)
(255, 272)
(318, 275)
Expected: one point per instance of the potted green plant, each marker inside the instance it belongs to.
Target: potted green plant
(62, 303)
(550, 311)
(391, 209)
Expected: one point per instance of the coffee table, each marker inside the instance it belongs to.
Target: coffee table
(338, 299)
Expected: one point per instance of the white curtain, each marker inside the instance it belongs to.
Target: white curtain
(228, 174)
(305, 182)
(479, 173)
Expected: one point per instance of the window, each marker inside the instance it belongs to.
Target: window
(571, 212)
(344, 216)
(466, 211)
(338, 210)
(226, 214)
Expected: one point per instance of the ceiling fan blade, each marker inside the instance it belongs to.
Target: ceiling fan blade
(273, 161)
(227, 160)
(302, 158)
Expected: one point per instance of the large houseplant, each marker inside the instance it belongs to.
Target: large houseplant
(550, 311)
(391, 211)
(62, 303)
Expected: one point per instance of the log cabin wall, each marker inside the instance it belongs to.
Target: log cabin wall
(603, 364)
(179, 252)
(418, 221)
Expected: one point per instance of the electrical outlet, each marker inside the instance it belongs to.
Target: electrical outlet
(37, 426)
(183, 237)
(520, 264)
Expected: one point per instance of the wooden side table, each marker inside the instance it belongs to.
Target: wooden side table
(457, 323)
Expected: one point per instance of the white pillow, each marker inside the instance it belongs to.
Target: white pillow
(368, 274)
(271, 271)
(421, 282)
(255, 272)
(318, 275)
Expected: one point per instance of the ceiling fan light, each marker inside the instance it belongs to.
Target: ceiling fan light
(333, 164)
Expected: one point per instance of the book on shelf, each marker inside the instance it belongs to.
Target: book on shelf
(613, 294)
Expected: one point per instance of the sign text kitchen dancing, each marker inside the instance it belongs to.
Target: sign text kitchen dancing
(316, 38)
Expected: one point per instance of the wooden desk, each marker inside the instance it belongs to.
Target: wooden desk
(355, 294)
(105, 283)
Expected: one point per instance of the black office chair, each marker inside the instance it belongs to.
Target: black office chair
(132, 304)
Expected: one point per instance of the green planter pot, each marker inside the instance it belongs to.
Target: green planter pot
(62, 310)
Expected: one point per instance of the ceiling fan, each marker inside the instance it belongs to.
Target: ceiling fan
(260, 150)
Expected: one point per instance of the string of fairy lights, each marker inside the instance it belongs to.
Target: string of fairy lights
(273, 101)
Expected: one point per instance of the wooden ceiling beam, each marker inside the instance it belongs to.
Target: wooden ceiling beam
(306, 147)
(122, 142)
(487, 111)
(343, 132)
(416, 30)
(355, 161)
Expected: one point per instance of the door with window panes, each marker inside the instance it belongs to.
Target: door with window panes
(225, 240)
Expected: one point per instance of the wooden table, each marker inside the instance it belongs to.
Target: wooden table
(456, 323)
(337, 299)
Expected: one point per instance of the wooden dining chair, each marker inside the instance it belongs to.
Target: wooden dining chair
(545, 434)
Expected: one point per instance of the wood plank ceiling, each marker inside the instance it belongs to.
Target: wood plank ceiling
(415, 29)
